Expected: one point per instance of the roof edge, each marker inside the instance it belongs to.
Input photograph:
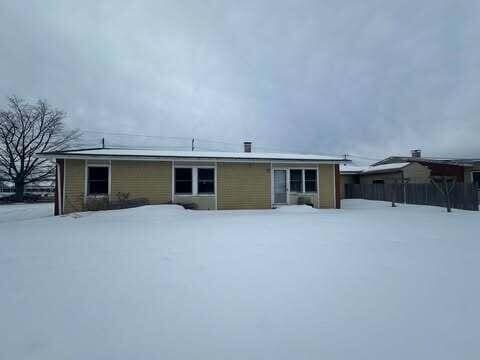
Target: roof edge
(68, 155)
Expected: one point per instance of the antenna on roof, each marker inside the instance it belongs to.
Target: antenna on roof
(193, 144)
(103, 143)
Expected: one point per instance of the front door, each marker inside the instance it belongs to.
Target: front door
(280, 186)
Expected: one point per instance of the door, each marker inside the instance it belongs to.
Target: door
(280, 186)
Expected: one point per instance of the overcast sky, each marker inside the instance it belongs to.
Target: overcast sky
(371, 78)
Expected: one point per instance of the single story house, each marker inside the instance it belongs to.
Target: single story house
(415, 168)
(210, 180)
(349, 174)
(395, 172)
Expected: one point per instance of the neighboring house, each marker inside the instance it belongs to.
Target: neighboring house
(210, 180)
(349, 174)
(384, 174)
(464, 170)
(416, 169)
(395, 172)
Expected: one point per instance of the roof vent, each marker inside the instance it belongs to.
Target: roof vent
(247, 146)
(416, 153)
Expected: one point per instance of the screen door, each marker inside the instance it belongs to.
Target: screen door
(280, 186)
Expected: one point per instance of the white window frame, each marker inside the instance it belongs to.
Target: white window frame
(316, 181)
(91, 165)
(302, 183)
(195, 180)
(175, 179)
(303, 180)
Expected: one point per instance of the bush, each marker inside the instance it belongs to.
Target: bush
(122, 202)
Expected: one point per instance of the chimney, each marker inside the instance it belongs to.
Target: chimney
(416, 153)
(247, 146)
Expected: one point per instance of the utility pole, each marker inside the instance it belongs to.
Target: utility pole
(193, 144)
(103, 143)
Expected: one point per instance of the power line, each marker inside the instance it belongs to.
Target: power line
(197, 143)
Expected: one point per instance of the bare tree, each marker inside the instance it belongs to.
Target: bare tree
(445, 185)
(25, 130)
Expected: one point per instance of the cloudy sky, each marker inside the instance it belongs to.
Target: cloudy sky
(370, 78)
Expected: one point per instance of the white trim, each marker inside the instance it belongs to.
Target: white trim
(107, 165)
(287, 187)
(302, 192)
(190, 159)
(195, 181)
(215, 184)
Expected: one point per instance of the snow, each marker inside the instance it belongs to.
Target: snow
(352, 169)
(160, 282)
(19, 212)
(195, 154)
(386, 167)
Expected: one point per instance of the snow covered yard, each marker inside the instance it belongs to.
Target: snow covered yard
(20, 212)
(160, 282)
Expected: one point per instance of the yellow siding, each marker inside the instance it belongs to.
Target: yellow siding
(143, 179)
(243, 186)
(326, 175)
(74, 185)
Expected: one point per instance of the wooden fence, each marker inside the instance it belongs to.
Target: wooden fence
(463, 196)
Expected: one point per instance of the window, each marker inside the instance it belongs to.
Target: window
(310, 180)
(476, 178)
(97, 180)
(206, 181)
(378, 182)
(183, 181)
(296, 180)
(194, 181)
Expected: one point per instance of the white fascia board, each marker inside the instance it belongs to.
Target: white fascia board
(192, 159)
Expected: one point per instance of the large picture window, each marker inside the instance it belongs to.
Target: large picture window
(296, 180)
(310, 180)
(183, 181)
(206, 181)
(97, 180)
